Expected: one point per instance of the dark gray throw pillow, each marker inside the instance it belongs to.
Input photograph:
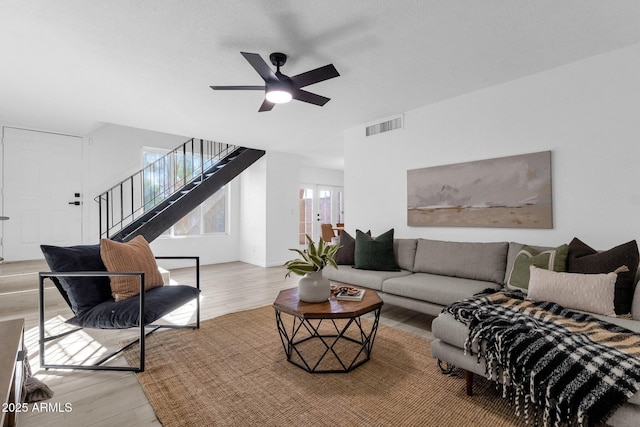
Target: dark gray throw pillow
(584, 259)
(346, 253)
(375, 253)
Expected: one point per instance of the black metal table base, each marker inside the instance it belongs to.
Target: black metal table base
(329, 336)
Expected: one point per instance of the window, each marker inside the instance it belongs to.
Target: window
(208, 218)
(156, 177)
(306, 215)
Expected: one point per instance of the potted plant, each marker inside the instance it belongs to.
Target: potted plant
(312, 286)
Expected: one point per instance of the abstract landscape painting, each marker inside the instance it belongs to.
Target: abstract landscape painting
(512, 191)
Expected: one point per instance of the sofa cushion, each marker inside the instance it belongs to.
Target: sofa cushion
(479, 261)
(82, 293)
(551, 259)
(367, 278)
(132, 256)
(405, 251)
(584, 259)
(592, 293)
(375, 253)
(443, 290)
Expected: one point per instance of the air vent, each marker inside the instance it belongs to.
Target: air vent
(392, 124)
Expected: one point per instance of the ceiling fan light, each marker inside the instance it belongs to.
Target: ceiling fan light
(278, 96)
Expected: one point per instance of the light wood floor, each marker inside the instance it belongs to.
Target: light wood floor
(116, 398)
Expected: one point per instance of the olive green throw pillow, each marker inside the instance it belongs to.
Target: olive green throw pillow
(552, 259)
(375, 253)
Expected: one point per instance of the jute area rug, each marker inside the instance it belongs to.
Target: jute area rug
(233, 372)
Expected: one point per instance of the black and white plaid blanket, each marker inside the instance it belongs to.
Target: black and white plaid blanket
(571, 366)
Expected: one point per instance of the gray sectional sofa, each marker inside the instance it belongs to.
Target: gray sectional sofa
(434, 274)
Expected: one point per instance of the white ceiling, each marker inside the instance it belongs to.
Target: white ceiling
(71, 65)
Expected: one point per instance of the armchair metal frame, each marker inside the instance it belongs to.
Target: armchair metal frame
(98, 366)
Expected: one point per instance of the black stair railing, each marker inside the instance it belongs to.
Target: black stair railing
(143, 191)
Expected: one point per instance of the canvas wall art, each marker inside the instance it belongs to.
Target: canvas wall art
(512, 191)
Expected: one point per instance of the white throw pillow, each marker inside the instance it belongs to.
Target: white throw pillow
(586, 292)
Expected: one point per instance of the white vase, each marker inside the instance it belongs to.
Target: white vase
(313, 287)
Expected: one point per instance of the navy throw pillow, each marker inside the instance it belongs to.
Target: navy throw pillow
(83, 293)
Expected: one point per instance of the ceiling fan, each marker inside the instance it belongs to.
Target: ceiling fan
(280, 88)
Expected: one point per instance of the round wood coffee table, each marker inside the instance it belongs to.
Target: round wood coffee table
(328, 336)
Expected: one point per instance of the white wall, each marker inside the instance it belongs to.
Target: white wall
(282, 206)
(269, 209)
(586, 113)
(312, 175)
(253, 223)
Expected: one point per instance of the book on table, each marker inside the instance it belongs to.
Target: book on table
(350, 296)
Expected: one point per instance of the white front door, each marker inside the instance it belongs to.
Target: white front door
(41, 192)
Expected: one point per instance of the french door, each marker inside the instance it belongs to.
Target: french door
(42, 185)
(319, 204)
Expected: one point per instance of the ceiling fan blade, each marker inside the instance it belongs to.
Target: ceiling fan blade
(314, 76)
(311, 98)
(266, 106)
(260, 66)
(237, 87)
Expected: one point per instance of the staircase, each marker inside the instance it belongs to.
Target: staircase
(153, 199)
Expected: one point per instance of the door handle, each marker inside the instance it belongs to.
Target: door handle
(76, 203)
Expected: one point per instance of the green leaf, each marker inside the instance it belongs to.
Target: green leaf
(298, 263)
(301, 253)
(311, 247)
(332, 250)
(318, 261)
(300, 270)
(332, 262)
